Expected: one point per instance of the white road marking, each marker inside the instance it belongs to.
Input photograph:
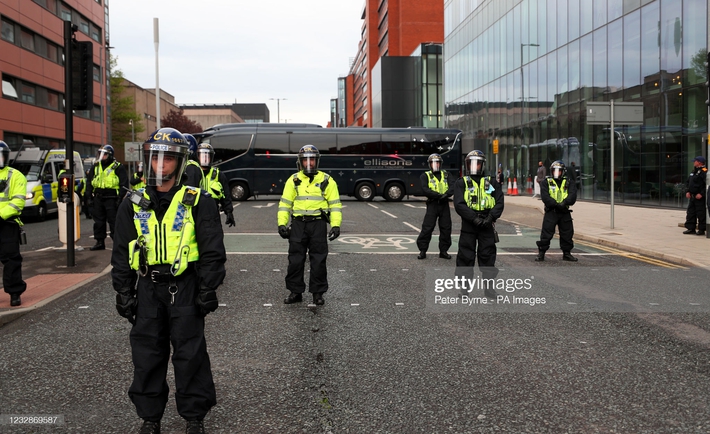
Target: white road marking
(83, 307)
(373, 206)
(412, 226)
(391, 215)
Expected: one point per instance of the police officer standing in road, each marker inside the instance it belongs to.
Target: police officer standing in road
(13, 188)
(438, 187)
(105, 183)
(214, 182)
(696, 198)
(558, 193)
(194, 176)
(137, 182)
(168, 260)
(311, 199)
(478, 199)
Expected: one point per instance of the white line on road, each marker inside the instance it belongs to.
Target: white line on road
(391, 215)
(373, 206)
(399, 304)
(414, 206)
(412, 226)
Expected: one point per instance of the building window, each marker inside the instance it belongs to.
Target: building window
(95, 33)
(28, 40)
(8, 31)
(8, 88)
(97, 73)
(28, 93)
(64, 13)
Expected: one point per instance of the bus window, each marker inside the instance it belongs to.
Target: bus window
(427, 144)
(396, 144)
(228, 146)
(272, 143)
(358, 143)
(324, 142)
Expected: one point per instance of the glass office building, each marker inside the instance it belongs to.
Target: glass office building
(522, 72)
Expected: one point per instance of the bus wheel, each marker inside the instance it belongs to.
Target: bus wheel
(393, 192)
(365, 191)
(240, 191)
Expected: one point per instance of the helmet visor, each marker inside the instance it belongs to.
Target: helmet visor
(435, 165)
(474, 166)
(165, 162)
(103, 155)
(2, 159)
(557, 172)
(309, 164)
(204, 157)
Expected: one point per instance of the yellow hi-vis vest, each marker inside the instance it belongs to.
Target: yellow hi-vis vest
(440, 186)
(559, 194)
(211, 184)
(305, 198)
(106, 178)
(12, 196)
(171, 241)
(482, 193)
(139, 185)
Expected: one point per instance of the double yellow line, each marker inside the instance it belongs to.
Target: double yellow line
(634, 256)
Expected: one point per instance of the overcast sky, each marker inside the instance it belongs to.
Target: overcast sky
(222, 51)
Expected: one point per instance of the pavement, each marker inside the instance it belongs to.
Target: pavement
(651, 232)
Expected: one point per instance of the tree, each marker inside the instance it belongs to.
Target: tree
(697, 66)
(177, 119)
(122, 112)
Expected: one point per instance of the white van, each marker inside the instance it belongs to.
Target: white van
(41, 167)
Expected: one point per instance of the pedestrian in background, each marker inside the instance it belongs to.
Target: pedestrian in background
(193, 172)
(137, 181)
(13, 188)
(215, 183)
(478, 199)
(168, 261)
(310, 198)
(104, 188)
(695, 185)
(539, 178)
(558, 193)
(438, 187)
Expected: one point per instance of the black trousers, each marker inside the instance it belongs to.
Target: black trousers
(695, 213)
(104, 210)
(561, 220)
(441, 211)
(478, 244)
(10, 257)
(307, 238)
(158, 325)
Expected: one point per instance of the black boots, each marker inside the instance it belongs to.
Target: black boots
(15, 300)
(689, 232)
(150, 427)
(318, 299)
(444, 255)
(422, 255)
(567, 256)
(540, 256)
(194, 427)
(293, 297)
(99, 246)
(701, 232)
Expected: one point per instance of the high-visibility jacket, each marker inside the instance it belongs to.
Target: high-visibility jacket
(440, 186)
(301, 197)
(137, 185)
(171, 241)
(106, 178)
(558, 193)
(481, 192)
(12, 193)
(211, 184)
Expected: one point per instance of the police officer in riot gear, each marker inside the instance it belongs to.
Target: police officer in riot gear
(13, 188)
(438, 187)
(310, 199)
(137, 182)
(104, 185)
(696, 198)
(478, 199)
(193, 172)
(215, 182)
(558, 193)
(168, 261)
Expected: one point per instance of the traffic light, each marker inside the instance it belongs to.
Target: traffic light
(82, 72)
(66, 187)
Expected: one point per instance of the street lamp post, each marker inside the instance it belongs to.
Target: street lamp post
(133, 130)
(278, 109)
(522, 89)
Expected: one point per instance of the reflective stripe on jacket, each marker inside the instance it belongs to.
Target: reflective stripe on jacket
(482, 193)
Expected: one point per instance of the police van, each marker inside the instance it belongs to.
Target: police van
(41, 167)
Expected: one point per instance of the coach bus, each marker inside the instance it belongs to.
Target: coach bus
(365, 162)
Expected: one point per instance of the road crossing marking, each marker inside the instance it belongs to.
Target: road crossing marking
(412, 226)
(373, 206)
(391, 215)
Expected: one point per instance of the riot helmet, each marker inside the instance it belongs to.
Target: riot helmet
(105, 154)
(166, 153)
(191, 145)
(4, 155)
(558, 170)
(308, 159)
(475, 163)
(205, 155)
(435, 161)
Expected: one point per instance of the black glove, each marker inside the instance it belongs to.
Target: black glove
(560, 208)
(230, 219)
(127, 304)
(488, 221)
(207, 301)
(284, 232)
(89, 202)
(478, 221)
(334, 233)
(443, 197)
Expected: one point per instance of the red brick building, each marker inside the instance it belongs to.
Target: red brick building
(31, 64)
